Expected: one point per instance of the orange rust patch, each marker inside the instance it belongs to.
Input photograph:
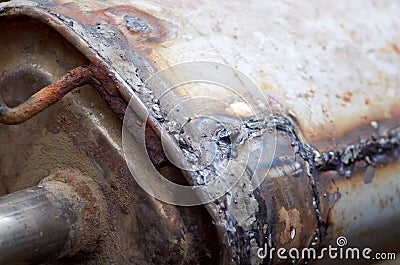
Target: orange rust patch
(347, 96)
(339, 230)
(390, 49)
(396, 48)
(135, 25)
(364, 234)
(45, 97)
(91, 224)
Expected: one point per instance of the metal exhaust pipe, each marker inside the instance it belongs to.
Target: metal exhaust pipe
(57, 218)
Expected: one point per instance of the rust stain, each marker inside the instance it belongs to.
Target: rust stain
(139, 28)
(99, 78)
(107, 86)
(339, 230)
(266, 86)
(396, 48)
(45, 97)
(347, 96)
(291, 222)
(392, 48)
(154, 148)
(134, 22)
(365, 234)
(384, 202)
(92, 225)
(94, 75)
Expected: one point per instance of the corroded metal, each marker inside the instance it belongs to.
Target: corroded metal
(303, 57)
(82, 132)
(60, 217)
(45, 97)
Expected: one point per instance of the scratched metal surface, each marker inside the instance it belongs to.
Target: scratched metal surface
(321, 62)
(325, 61)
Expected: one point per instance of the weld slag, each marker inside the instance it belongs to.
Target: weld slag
(375, 151)
(228, 140)
(378, 150)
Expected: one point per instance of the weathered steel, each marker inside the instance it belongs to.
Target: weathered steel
(81, 132)
(45, 97)
(321, 61)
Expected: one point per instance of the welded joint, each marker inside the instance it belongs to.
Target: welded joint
(377, 150)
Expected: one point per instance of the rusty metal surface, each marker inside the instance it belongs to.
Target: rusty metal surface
(45, 97)
(360, 199)
(322, 62)
(81, 132)
(61, 216)
(377, 62)
(320, 59)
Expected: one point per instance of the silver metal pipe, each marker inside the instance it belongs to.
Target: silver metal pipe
(33, 225)
(44, 222)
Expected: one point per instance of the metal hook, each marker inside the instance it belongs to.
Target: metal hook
(45, 97)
